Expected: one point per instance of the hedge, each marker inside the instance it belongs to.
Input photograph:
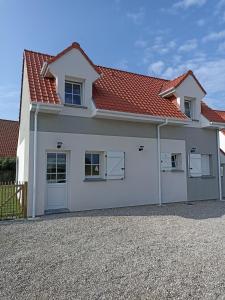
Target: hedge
(7, 169)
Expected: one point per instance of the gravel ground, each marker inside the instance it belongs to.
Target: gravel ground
(172, 252)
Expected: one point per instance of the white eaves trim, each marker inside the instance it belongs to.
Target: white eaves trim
(205, 123)
(46, 108)
(167, 92)
(118, 115)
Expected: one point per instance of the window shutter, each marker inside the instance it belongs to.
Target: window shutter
(205, 165)
(166, 163)
(115, 165)
(195, 165)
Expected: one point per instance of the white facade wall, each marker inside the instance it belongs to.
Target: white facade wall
(24, 132)
(139, 187)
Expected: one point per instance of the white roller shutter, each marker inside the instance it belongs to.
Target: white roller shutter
(166, 163)
(115, 165)
(195, 165)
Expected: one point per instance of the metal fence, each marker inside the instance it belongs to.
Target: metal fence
(13, 200)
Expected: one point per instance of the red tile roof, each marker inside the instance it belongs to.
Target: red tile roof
(211, 114)
(41, 89)
(115, 90)
(9, 131)
(221, 113)
(173, 84)
(129, 92)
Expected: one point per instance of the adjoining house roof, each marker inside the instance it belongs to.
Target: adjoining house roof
(173, 84)
(221, 113)
(9, 131)
(115, 90)
(211, 114)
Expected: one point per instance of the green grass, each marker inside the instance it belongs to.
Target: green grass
(9, 208)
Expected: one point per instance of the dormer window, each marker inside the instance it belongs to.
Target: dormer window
(73, 93)
(188, 108)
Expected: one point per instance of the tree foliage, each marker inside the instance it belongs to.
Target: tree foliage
(7, 164)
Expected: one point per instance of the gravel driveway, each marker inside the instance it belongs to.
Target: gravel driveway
(172, 252)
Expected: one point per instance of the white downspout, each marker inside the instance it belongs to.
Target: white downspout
(219, 164)
(159, 160)
(35, 163)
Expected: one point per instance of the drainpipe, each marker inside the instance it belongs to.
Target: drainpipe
(219, 164)
(159, 160)
(35, 162)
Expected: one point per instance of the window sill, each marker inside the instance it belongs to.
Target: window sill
(75, 106)
(203, 177)
(173, 171)
(94, 179)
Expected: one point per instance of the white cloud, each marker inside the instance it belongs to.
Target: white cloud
(156, 67)
(136, 17)
(209, 72)
(188, 46)
(214, 36)
(122, 65)
(221, 48)
(184, 4)
(201, 22)
(140, 43)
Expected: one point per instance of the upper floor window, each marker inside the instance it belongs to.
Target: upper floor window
(73, 93)
(188, 108)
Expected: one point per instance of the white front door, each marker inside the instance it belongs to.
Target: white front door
(56, 177)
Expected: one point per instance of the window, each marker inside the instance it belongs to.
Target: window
(92, 164)
(73, 93)
(174, 161)
(171, 161)
(56, 167)
(105, 165)
(188, 108)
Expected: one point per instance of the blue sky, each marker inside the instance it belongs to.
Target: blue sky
(160, 38)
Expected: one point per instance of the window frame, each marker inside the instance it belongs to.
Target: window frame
(100, 165)
(81, 92)
(56, 173)
(178, 161)
(190, 102)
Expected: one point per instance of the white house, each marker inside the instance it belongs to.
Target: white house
(94, 137)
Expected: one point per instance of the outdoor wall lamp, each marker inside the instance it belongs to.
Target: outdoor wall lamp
(141, 148)
(59, 145)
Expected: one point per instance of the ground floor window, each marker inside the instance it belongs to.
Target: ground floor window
(108, 165)
(92, 164)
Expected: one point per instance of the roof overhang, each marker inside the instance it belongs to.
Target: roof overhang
(167, 92)
(213, 125)
(132, 117)
(46, 108)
